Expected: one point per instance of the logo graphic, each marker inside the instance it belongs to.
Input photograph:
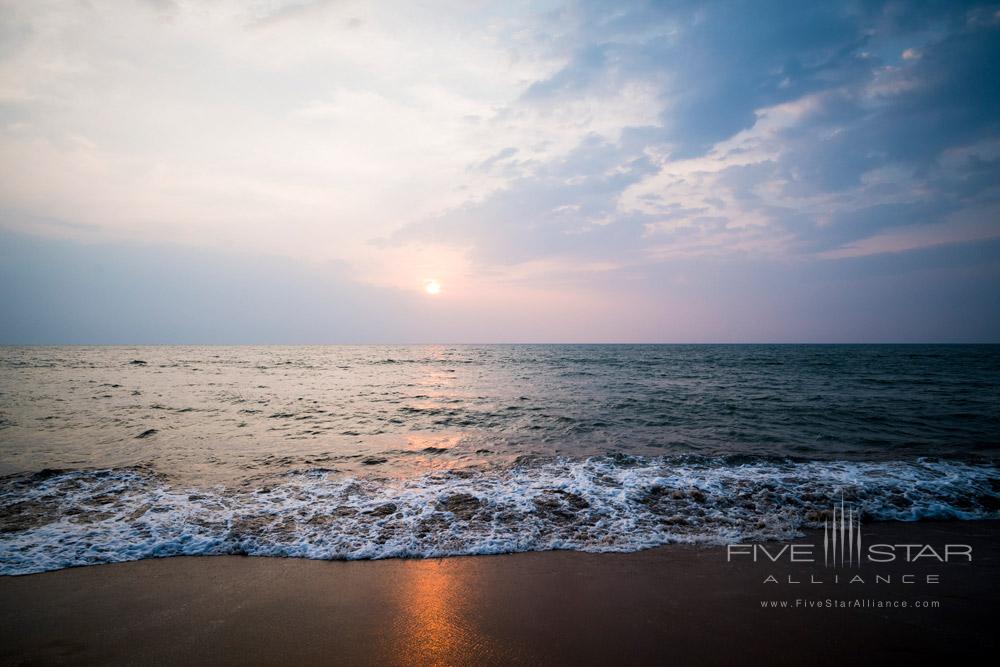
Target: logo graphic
(842, 548)
(842, 537)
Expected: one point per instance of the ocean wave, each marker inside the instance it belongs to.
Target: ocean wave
(56, 519)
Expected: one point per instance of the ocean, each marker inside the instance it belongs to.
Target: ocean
(348, 452)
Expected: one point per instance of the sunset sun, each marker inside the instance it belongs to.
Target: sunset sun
(432, 287)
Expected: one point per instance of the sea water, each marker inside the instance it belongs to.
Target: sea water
(119, 453)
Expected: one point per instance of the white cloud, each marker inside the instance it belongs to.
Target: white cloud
(322, 129)
(310, 128)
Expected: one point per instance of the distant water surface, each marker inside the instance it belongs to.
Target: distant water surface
(372, 451)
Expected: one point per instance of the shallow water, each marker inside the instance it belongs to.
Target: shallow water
(113, 453)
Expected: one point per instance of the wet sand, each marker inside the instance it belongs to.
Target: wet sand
(676, 604)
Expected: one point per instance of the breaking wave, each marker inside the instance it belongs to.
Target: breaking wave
(56, 519)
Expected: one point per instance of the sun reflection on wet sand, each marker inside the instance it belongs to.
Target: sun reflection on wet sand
(436, 619)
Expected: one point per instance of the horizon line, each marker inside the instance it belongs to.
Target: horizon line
(503, 343)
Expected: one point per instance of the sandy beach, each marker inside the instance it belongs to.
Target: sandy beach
(682, 604)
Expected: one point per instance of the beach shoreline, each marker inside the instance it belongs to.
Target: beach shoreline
(678, 602)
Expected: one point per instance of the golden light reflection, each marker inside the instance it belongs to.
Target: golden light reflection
(434, 626)
(432, 443)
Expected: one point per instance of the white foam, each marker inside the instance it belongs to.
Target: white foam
(597, 504)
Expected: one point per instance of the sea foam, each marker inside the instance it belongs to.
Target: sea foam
(57, 519)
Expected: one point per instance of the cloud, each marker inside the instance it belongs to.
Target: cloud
(583, 154)
(784, 129)
(291, 11)
(566, 206)
(336, 123)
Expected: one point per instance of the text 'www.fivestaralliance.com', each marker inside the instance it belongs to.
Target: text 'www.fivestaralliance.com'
(852, 603)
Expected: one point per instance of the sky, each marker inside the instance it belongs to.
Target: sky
(310, 171)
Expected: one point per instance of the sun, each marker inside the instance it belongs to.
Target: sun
(432, 286)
